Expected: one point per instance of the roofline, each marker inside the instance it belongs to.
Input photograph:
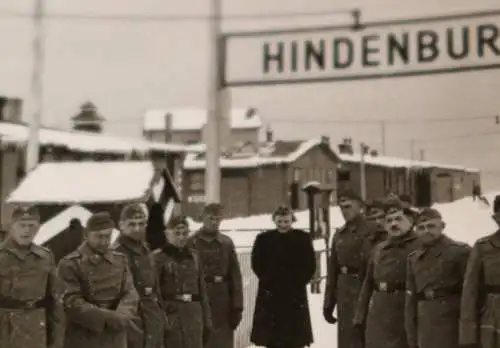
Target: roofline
(121, 201)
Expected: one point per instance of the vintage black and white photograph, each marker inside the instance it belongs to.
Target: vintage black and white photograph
(244, 174)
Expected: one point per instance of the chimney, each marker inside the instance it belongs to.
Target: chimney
(346, 146)
(168, 127)
(11, 109)
(366, 150)
(250, 113)
(325, 140)
(269, 135)
(373, 153)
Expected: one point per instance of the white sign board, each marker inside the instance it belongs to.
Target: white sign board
(379, 50)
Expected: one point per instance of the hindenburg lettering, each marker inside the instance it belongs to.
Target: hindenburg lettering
(348, 45)
(401, 46)
(276, 57)
(487, 35)
(461, 53)
(427, 42)
(369, 50)
(316, 53)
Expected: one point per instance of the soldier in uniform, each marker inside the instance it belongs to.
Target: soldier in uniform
(380, 312)
(222, 276)
(349, 255)
(480, 306)
(100, 299)
(31, 313)
(183, 290)
(435, 274)
(132, 243)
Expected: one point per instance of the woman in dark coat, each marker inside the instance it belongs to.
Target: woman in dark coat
(283, 259)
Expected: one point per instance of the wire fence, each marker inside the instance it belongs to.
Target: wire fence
(250, 284)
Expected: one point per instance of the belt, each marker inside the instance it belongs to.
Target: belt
(438, 293)
(215, 279)
(493, 289)
(390, 286)
(348, 270)
(11, 303)
(184, 298)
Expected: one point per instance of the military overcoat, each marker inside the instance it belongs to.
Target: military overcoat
(184, 297)
(480, 305)
(31, 312)
(381, 307)
(99, 290)
(349, 254)
(142, 266)
(224, 285)
(435, 276)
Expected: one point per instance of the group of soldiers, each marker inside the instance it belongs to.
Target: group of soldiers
(187, 294)
(397, 281)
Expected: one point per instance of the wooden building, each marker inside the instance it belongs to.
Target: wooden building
(100, 186)
(424, 182)
(256, 180)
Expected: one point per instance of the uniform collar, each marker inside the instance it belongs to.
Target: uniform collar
(21, 253)
(137, 247)
(401, 240)
(86, 251)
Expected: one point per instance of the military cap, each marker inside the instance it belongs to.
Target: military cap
(176, 221)
(496, 204)
(212, 209)
(348, 195)
(25, 212)
(375, 206)
(100, 221)
(427, 214)
(394, 205)
(132, 211)
(283, 210)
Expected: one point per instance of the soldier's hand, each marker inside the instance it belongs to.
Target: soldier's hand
(328, 315)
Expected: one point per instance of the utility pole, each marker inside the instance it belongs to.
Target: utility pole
(422, 154)
(382, 132)
(214, 112)
(412, 149)
(33, 146)
(362, 172)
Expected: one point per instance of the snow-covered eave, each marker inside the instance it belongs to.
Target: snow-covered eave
(79, 202)
(191, 163)
(17, 134)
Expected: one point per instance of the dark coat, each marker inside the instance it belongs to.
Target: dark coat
(99, 292)
(434, 282)
(143, 271)
(180, 273)
(350, 251)
(224, 285)
(284, 264)
(480, 306)
(381, 306)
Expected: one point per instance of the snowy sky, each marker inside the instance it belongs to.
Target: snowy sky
(127, 67)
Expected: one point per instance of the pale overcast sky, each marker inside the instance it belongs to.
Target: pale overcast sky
(127, 67)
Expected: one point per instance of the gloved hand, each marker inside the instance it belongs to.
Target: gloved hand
(235, 318)
(328, 315)
(116, 321)
(207, 332)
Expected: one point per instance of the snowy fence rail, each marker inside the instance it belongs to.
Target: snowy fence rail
(250, 283)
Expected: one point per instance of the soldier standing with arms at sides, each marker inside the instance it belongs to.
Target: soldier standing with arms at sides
(222, 276)
(100, 299)
(435, 274)
(349, 255)
(182, 289)
(132, 243)
(31, 313)
(480, 306)
(380, 313)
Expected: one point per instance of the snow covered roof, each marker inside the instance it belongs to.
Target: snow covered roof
(87, 142)
(60, 222)
(192, 119)
(394, 162)
(85, 182)
(278, 152)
